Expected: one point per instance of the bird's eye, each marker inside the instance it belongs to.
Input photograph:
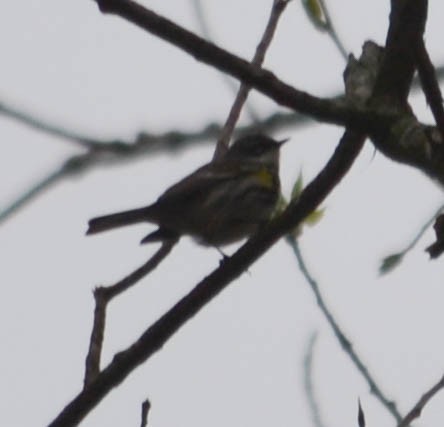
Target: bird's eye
(258, 149)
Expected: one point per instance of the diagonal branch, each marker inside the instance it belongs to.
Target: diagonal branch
(327, 110)
(177, 139)
(102, 296)
(341, 337)
(415, 412)
(342, 159)
(241, 97)
(232, 86)
(158, 334)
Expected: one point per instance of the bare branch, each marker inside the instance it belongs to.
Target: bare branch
(241, 97)
(341, 337)
(327, 110)
(103, 295)
(149, 143)
(70, 167)
(393, 260)
(31, 121)
(339, 164)
(156, 335)
(146, 406)
(198, 10)
(118, 152)
(415, 412)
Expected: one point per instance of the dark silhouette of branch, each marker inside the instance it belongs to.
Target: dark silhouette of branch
(361, 415)
(156, 335)
(146, 406)
(388, 119)
(327, 110)
(407, 12)
(117, 152)
(174, 140)
(201, 19)
(415, 412)
(345, 343)
(241, 97)
(103, 295)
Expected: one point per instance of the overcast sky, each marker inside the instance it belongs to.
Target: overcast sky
(239, 362)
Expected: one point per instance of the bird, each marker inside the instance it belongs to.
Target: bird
(223, 201)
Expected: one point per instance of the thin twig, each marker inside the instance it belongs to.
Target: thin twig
(70, 167)
(149, 143)
(332, 31)
(415, 412)
(161, 331)
(341, 337)
(36, 190)
(116, 152)
(308, 382)
(41, 125)
(241, 97)
(146, 406)
(231, 85)
(327, 110)
(422, 230)
(103, 295)
(393, 260)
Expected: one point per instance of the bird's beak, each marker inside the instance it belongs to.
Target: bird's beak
(283, 141)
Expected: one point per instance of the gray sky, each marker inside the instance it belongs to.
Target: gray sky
(239, 361)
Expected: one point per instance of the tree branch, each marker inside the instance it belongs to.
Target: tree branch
(338, 165)
(327, 110)
(241, 97)
(344, 342)
(103, 295)
(146, 406)
(415, 412)
(232, 85)
(158, 334)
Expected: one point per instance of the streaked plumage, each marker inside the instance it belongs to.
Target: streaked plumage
(219, 203)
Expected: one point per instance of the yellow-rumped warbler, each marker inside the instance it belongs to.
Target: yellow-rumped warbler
(220, 203)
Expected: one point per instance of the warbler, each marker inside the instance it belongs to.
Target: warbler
(220, 203)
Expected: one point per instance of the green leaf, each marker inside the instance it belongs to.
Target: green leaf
(313, 218)
(390, 262)
(297, 187)
(280, 206)
(315, 12)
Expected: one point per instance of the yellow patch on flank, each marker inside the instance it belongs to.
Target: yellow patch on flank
(265, 177)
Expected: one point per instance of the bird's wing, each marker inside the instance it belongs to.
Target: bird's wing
(198, 183)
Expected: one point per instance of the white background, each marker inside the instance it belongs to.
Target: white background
(240, 361)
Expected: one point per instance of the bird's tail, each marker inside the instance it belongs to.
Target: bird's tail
(120, 219)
